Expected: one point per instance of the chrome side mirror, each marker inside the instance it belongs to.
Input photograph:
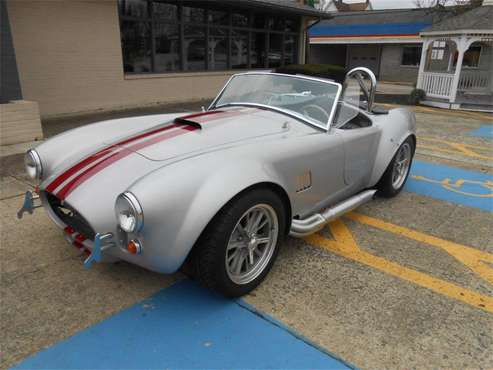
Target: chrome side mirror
(364, 76)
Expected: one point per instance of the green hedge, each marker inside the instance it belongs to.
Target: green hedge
(333, 72)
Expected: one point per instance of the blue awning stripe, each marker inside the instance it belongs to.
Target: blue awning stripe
(369, 29)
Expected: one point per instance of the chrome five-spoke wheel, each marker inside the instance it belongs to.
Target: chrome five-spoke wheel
(237, 250)
(252, 244)
(401, 165)
(395, 176)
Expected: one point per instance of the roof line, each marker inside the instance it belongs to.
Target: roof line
(456, 32)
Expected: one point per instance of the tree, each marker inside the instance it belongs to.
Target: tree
(442, 8)
(340, 5)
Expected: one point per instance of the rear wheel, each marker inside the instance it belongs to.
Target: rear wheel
(397, 172)
(238, 248)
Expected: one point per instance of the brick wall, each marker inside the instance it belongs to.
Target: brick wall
(19, 122)
(69, 60)
(391, 68)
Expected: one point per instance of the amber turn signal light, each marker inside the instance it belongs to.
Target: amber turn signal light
(134, 247)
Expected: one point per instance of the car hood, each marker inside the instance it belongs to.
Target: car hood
(201, 132)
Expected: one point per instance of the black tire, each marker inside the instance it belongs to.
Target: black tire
(210, 252)
(385, 186)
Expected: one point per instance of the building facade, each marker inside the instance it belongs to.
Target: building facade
(87, 55)
(386, 41)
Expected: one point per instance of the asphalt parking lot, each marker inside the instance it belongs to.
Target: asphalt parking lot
(401, 283)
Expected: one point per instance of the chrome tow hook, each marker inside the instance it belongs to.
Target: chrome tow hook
(102, 242)
(29, 204)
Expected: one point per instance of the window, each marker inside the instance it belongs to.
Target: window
(411, 56)
(471, 57)
(136, 46)
(438, 50)
(160, 36)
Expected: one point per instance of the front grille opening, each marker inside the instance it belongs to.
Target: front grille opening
(70, 216)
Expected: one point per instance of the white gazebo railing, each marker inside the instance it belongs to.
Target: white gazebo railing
(474, 80)
(441, 72)
(437, 85)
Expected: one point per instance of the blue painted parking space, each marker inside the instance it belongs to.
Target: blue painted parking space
(485, 131)
(468, 188)
(185, 326)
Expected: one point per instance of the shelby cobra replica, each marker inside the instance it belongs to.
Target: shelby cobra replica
(273, 155)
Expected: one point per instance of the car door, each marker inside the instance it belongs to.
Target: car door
(354, 123)
(360, 145)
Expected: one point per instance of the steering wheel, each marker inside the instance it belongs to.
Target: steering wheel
(318, 111)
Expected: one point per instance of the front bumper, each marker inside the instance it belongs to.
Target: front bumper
(93, 244)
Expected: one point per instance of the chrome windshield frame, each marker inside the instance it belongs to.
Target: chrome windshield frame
(281, 110)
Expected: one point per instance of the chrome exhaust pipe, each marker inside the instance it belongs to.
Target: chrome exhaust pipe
(307, 226)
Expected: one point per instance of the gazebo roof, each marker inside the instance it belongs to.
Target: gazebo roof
(477, 20)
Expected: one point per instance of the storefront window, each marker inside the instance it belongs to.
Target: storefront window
(218, 17)
(134, 8)
(193, 15)
(167, 44)
(194, 48)
(240, 19)
(171, 36)
(290, 47)
(165, 11)
(239, 50)
(218, 49)
(257, 51)
(275, 50)
(136, 47)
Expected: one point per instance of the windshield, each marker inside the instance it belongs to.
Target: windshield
(309, 99)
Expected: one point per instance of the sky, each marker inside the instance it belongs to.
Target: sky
(387, 4)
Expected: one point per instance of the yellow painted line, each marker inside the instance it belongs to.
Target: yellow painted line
(452, 147)
(345, 245)
(471, 257)
(463, 114)
(445, 112)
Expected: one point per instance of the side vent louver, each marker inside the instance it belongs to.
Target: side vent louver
(303, 181)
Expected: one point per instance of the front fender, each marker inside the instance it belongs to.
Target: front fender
(397, 126)
(181, 199)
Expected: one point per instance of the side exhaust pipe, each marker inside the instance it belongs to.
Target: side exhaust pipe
(307, 226)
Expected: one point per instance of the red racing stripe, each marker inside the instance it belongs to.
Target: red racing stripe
(207, 116)
(94, 157)
(94, 169)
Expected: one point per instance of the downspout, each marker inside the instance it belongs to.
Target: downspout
(307, 40)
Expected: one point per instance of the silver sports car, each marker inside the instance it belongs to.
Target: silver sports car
(273, 155)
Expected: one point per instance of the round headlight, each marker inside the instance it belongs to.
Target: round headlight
(33, 164)
(129, 213)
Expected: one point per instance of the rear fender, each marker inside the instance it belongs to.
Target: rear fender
(397, 126)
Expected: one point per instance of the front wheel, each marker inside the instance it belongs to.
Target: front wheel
(397, 172)
(239, 246)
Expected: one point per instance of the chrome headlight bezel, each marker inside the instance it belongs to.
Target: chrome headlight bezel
(128, 212)
(32, 163)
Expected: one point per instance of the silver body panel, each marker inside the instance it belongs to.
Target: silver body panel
(182, 182)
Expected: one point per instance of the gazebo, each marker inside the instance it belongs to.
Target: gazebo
(457, 61)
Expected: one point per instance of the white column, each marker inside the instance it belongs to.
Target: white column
(450, 57)
(462, 46)
(422, 63)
